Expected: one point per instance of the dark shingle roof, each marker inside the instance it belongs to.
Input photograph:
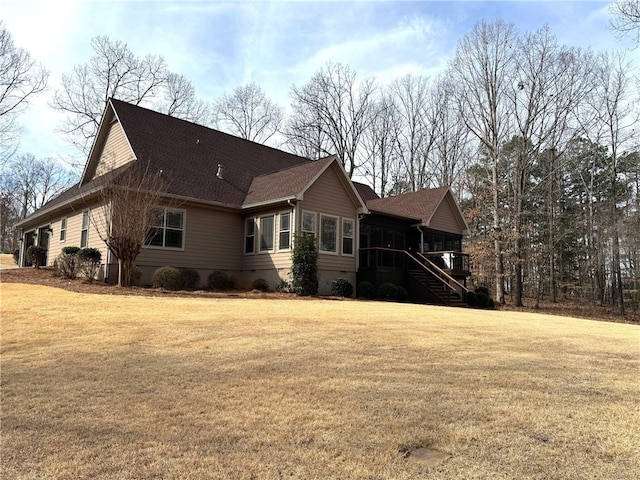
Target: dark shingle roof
(420, 205)
(365, 191)
(284, 184)
(189, 154)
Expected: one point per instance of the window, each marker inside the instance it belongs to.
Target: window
(347, 237)
(309, 222)
(84, 233)
(267, 233)
(167, 229)
(328, 234)
(63, 229)
(285, 231)
(250, 236)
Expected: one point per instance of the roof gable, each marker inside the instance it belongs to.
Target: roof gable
(423, 207)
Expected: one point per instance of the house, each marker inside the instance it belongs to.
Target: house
(235, 206)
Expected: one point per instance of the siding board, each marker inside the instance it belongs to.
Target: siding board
(115, 152)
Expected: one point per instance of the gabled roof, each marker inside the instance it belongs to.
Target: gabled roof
(286, 184)
(365, 191)
(418, 206)
(189, 154)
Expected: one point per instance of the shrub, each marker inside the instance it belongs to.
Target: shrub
(471, 299)
(219, 280)
(89, 262)
(483, 289)
(16, 256)
(366, 290)
(388, 291)
(403, 294)
(304, 264)
(67, 263)
(261, 284)
(283, 286)
(341, 287)
(167, 278)
(36, 255)
(482, 298)
(189, 278)
(136, 275)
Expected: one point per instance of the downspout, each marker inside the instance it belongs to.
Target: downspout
(421, 238)
(21, 248)
(294, 222)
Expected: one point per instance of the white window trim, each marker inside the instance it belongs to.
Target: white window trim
(280, 214)
(353, 235)
(255, 229)
(315, 216)
(337, 243)
(184, 230)
(259, 229)
(63, 221)
(83, 228)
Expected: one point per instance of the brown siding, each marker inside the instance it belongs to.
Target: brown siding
(271, 266)
(213, 241)
(116, 151)
(74, 227)
(445, 218)
(328, 195)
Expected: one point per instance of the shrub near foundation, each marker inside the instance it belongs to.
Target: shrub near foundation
(67, 262)
(168, 278)
(190, 278)
(219, 280)
(89, 262)
(388, 291)
(366, 290)
(341, 287)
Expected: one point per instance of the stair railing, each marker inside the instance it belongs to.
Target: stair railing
(439, 274)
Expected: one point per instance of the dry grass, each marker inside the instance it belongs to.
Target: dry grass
(6, 261)
(121, 387)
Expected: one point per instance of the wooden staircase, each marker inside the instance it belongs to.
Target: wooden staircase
(439, 285)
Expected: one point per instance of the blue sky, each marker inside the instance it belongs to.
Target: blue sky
(220, 45)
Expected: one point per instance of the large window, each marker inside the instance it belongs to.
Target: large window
(328, 234)
(63, 229)
(347, 237)
(250, 236)
(167, 229)
(84, 233)
(285, 231)
(309, 222)
(267, 232)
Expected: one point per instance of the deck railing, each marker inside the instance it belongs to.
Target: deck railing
(375, 257)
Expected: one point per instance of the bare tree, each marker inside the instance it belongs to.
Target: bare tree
(130, 198)
(482, 71)
(614, 124)
(415, 133)
(180, 100)
(549, 83)
(450, 152)
(626, 18)
(380, 166)
(248, 113)
(332, 112)
(26, 184)
(21, 77)
(115, 71)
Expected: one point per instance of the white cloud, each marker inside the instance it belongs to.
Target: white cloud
(220, 45)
